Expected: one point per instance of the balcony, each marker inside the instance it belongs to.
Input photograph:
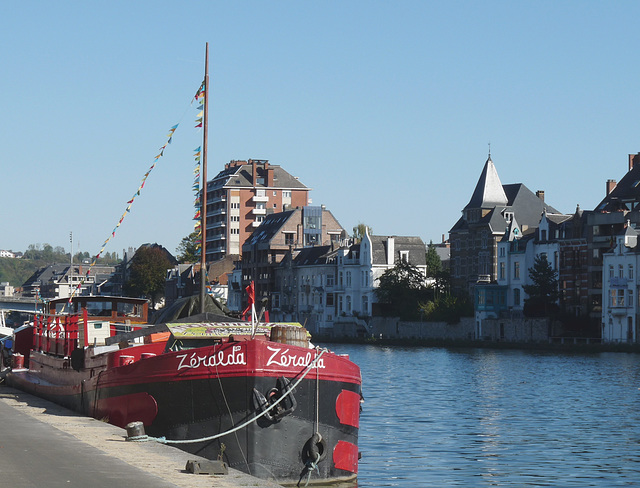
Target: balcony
(216, 225)
(257, 198)
(259, 211)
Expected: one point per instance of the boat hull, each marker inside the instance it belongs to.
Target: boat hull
(200, 393)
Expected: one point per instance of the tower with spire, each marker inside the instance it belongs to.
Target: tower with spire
(490, 211)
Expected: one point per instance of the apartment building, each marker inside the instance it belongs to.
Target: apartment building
(240, 197)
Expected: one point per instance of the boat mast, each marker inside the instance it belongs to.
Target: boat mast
(203, 207)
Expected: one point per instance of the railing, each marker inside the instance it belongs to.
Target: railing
(57, 334)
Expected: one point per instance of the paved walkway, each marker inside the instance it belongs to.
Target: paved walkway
(43, 444)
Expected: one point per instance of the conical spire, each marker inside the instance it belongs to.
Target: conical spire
(489, 192)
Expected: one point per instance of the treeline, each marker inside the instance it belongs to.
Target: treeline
(17, 271)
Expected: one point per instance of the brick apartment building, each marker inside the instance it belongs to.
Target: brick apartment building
(240, 197)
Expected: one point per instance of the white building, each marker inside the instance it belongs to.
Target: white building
(620, 289)
(326, 289)
(6, 254)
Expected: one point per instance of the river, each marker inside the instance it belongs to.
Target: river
(437, 417)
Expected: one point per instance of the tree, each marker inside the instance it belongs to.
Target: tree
(147, 273)
(360, 230)
(189, 248)
(434, 264)
(543, 292)
(402, 289)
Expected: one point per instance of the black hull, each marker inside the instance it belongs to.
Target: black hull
(266, 449)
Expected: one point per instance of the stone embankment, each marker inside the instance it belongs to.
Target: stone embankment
(44, 444)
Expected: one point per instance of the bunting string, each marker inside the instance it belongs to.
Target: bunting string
(198, 98)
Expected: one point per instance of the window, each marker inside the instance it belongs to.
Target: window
(404, 256)
(365, 304)
(631, 271)
(348, 278)
(516, 270)
(348, 303)
(502, 268)
(616, 298)
(610, 271)
(516, 297)
(289, 238)
(620, 271)
(286, 193)
(329, 300)
(330, 280)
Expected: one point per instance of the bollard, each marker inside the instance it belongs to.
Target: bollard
(135, 431)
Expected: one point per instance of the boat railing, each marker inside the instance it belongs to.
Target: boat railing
(57, 334)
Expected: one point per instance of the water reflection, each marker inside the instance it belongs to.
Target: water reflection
(438, 417)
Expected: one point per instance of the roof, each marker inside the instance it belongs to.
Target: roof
(313, 255)
(628, 189)
(269, 227)
(415, 245)
(489, 191)
(241, 176)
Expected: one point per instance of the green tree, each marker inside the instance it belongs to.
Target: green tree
(434, 264)
(189, 248)
(543, 290)
(147, 273)
(401, 290)
(360, 230)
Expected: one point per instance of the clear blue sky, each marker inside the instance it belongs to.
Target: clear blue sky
(385, 109)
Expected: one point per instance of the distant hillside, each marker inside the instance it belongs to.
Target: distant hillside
(17, 271)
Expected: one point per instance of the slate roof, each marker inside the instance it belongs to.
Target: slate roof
(524, 204)
(627, 190)
(415, 245)
(313, 255)
(489, 191)
(241, 177)
(269, 227)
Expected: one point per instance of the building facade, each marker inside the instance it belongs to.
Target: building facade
(621, 289)
(240, 197)
(474, 238)
(330, 289)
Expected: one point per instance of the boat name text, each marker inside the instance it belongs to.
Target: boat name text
(284, 359)
(221, 358)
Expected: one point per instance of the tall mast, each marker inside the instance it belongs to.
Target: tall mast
(203, 208)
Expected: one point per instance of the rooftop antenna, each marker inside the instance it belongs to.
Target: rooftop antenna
(489, 150)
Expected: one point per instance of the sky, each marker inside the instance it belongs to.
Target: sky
(387, 110)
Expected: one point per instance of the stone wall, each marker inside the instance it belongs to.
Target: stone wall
(516, 329)
(504, 330)
(394, 328)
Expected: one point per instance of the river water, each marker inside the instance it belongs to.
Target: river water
(437, 417)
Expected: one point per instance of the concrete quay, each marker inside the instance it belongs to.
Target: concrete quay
(44, 444)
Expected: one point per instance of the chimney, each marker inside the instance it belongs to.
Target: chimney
(269, 180)
(611, 184)
(254, 172)
(391, 250)
(540, 194)
(633, 159)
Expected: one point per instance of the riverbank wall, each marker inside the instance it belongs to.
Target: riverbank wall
(512, 333)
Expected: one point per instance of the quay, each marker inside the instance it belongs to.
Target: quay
(44, 444)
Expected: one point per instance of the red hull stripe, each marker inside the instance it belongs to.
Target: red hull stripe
(348, 408)
(345, 456)
(123, 409)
